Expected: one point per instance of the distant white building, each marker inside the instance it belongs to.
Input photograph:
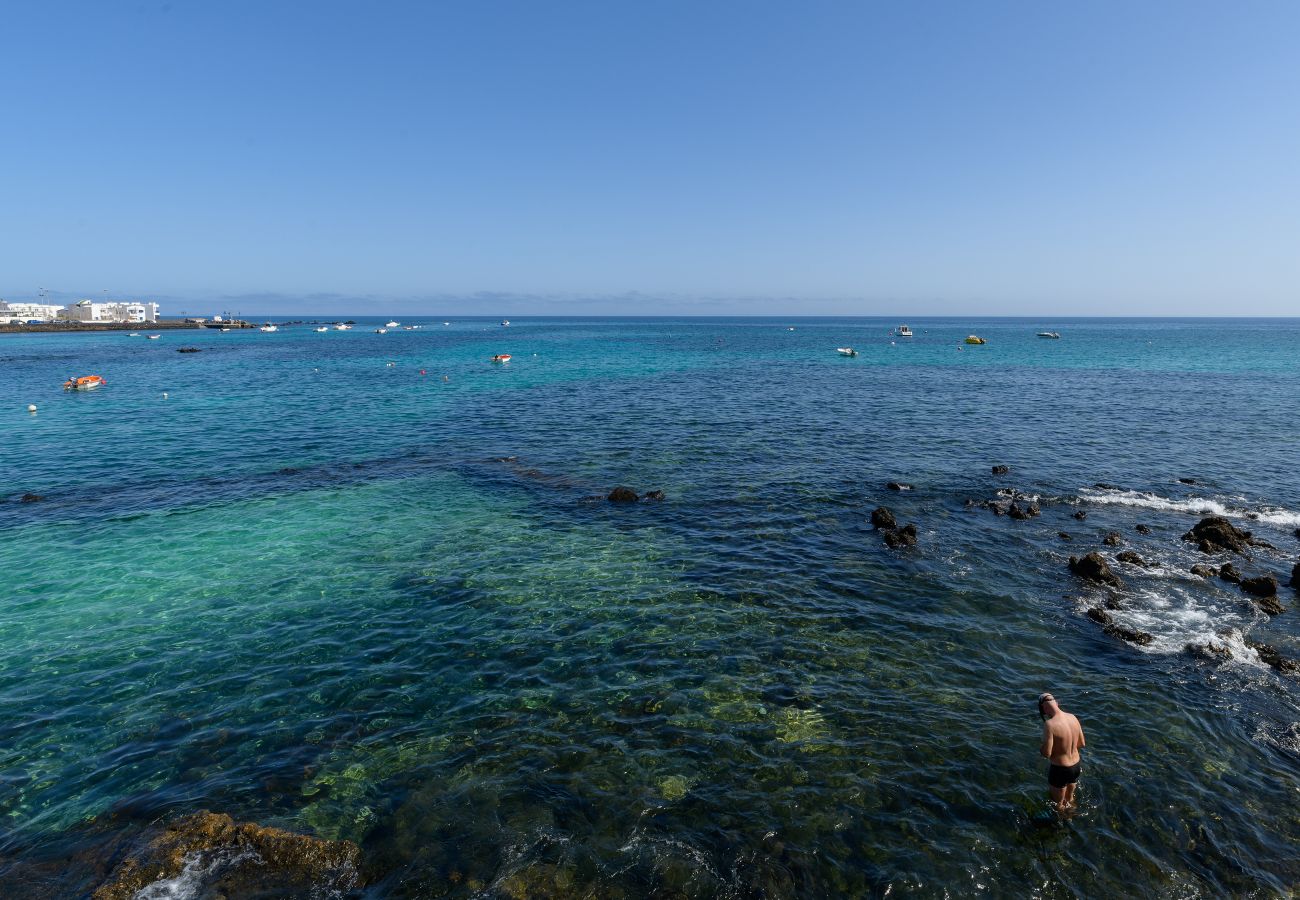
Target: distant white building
(123, 311)
(26, 312)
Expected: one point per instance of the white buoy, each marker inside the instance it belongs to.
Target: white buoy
(164, 395)
(31, 407)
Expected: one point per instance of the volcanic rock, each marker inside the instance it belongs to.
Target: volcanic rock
(1064, 535)
(1001, 470)
(1100, 616)
(1187, 480)
(622, 495)
(653, 495)
(188, 350)
(1209, 651)
(259, 862)
(1260, 586)
(1142, 529)
(1295, 576)
(1205, 571)
(1016, 511)
(1081, 515)
(1093, 567)
(1107, 623)
(1103, 486)
(1112, 539)
(1214, 533)
(1228, 572)
(31, 498)
(1128, 556)
(898, 486)
(901, 537)
(882, 517)
(1272, 657)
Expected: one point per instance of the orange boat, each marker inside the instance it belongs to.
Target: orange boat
(84, 383)
(501, 357)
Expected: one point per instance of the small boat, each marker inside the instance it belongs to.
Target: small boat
(134, 334)
(154, 337)
(904, 331)
(84, 383)
(393, 325)
(381, 331)
(975, 339)
(791, 328)
(846, 351)
(1054, 335)
(322, 329)
(505, 321)
(342, 327)
(268, 328)
(224, 330)
(446, 323)
(501, 357)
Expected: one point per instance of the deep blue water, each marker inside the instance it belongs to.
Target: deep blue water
(314, 588)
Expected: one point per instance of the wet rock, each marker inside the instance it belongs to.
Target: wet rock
(237, 860)
(1142, 529)
(1215, 533)
(1228, 572)
(997, 509)
(623, 495)
(1205, 571)
(1112, 539)
(1001, 470)
(1093, 567)
(898, 486)
(1016, 511)
(1113, 602)
(882, 517)
(1107, 623)
(1187, 480)
(653, 495)
(1295, 576)
(31, 498)
(1128, 556)
(1064, 535)
(1210, 651)
(1100, 616)
(1081, 515)
(1272, 657)
(901, 537)
(1260, 586)
(1297, 532)
(188, 350)
(1103, 486)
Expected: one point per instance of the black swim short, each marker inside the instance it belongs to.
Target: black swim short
(1062, 776)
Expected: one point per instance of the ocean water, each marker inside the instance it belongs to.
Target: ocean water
(293, 579)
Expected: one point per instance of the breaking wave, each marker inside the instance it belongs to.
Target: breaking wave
(1273, 515)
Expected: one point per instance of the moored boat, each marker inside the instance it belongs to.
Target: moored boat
(501, 358)
(1050, 334)
(975, 339)
(381, 331)
(904, 331)
(84, 383)
(846, 351)
(322, 328)
(268, 328)
(342, 327)
(154, 337)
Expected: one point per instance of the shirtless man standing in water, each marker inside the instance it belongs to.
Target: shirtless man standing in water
(1062, 741)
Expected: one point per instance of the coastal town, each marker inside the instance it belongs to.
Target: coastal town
(83, 312)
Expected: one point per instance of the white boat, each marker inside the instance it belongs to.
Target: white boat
(505, 321)
(904, 331)
(225, 330)
(846, 351)
(269, 328)
(134, 334)
(342, 327)
(446, 323)
(381, 331)
(154, 337)
(322, 328)
(393, 325)
(1054, 335)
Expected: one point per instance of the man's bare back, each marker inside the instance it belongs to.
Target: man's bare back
(1062, 741)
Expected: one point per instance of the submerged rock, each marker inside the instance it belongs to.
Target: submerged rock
(883, 517)
(31, 498)
(1215, 533)
(1272, 657)
(236, 860)
(1093, 567)
(901, 537)
(1295, 576)
(1142, 529)
(653, 495)
(623, 495)
(1205, 571)
(1103, 486)
(1210, 651)
(188, 350)
(1107, 623)
(1064, 535)
(898, 486)
(1016, 511)
(1001, 470)
(1112, 539)
(1228, 572)
(1128, 556)
(1081, 515)
(1187, 480)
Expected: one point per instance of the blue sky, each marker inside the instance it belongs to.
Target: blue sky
(640, 157)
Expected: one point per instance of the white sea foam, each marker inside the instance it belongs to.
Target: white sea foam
(195, 872)
(1273, 515)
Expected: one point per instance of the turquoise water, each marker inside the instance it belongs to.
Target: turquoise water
(314, 588)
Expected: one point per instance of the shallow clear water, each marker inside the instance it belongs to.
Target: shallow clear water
(316, 590)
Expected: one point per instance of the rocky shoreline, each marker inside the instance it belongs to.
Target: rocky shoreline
(62, 328)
